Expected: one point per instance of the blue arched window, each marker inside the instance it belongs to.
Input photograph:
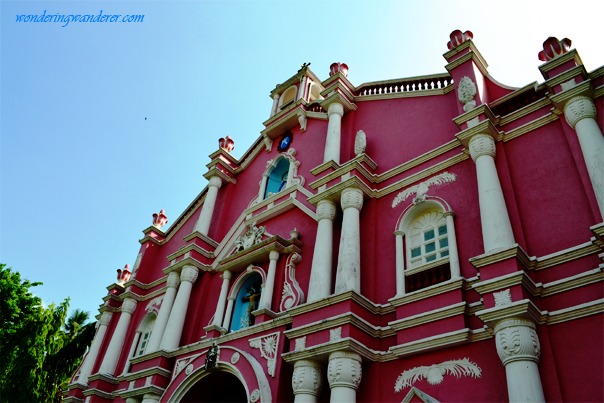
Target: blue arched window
(246, 302)
(277, 179)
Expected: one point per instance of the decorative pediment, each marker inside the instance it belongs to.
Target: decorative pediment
(416, 395)
(250, 238)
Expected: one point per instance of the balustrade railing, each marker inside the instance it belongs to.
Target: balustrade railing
(423, 83)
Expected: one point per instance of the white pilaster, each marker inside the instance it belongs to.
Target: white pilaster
(275, 105)
(93, 352)
(518, 348)
(207, 210)
(400, 263)
(137, 337)
(320, 274)
(117, 339)
(150, 398)
(453, 254)
(267, 293)
(344, 375)
(176, 321)
(224, 289)
(335, 111)
(229, 311)
(164, 312)
(496, 227)
(580, 113)
(306, 381)
(348, 275)
(302, 88)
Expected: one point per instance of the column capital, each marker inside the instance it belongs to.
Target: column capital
(306, 377)
(481, 144)
(335, 108)
(226, 275)
(129, 305)
(578, 108)
(344, 369)
(173, 279)
(105, 318)
(273, 255)
(399, 232)
(326, 209)
(352, 197)
(189, 274)
(517, 340)
(215, 181)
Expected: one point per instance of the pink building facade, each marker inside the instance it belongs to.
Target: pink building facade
(435, 238)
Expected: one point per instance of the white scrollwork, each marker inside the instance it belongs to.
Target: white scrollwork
(344, 369)
(292, 293)
(182, 364)
(517, 340)
(421, 189)
(268, 349)
(250, 238)
(435, 374)
(503, 298)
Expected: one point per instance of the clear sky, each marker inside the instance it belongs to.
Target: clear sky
(104, 124)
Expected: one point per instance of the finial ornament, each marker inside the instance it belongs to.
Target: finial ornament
(160, 219)
(360, 143)
(226, 143)
(466, 91)
(552, 48)
(123, 275)
(338, 68)
(457, 38)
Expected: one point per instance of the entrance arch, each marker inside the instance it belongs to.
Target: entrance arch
(218, 386)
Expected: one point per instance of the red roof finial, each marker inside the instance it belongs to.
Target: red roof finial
(338, 68)
(123, 275)
(227, 144)
(159, 220)
(457, 38)
(552, 48)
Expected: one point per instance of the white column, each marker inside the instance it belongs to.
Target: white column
(496, 227)
(262, 189)
(93, 352)
(335, 111)
(207, 210)
(518, 348)
(348, 275)
(164, 312)
(176, 321)
(137, 337)
(117, 339)
(344, 375)
(580, 113)
(275, 104)
(227, 315)
(224, 289)
(400, 263)
(131, 400)
(267, 293)
(306, 381)
(150, 398)
(302, 88)
(320, 273)
(453, 254)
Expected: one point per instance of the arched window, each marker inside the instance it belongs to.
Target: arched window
(141, 337)
(426, 246)
(277, 178)
(145, 334)
(246, 301)
(314, 92)
(288, 97)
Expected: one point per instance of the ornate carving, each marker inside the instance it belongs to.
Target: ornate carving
(552, 48)
(105, 318)
(173, 279)
(300, 343)
(579, 108)
(292, 293)
(182, 364)
(255, 396)
(306, 377)
(434, 374)
(268, 349)
(160, 219)
(189, 274)
(503, 298)
(482, 144)
(235, 358)
(335, 334)
(344, 369)
(466, 91)
(250, 238)
(227, 144)
(123, 275)
(154, 304)
(352, 198)
(326, 209)
(517, 340)
(338, 68)
(302, 120)
(360, 143)
(129, 305)
(457, 38)
(422, 188)
(567, 85)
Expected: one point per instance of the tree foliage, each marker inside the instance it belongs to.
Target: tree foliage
(39, 346)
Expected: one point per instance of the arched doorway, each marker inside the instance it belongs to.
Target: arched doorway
(217, 387)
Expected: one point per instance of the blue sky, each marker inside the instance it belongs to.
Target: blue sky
(104, 124)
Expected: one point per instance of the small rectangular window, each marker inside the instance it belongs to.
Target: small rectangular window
(443, 243)
(429, 235)
(430, 247)
(415, 252)
(430, 258)
(442, 230)
(444, 253)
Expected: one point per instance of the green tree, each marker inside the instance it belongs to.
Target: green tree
(39, 347)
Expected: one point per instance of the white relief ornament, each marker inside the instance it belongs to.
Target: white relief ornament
(516, 339)
(255, 396)
(503, 298)
(435, 374)
(421, 189)
(466, 91)
(235, 358)
(268, 350)
(154, 304)
(250, 238)
(189, 369)
(300, 343)
(335, 334)
(182, 364)
(360, 143)
(292, 293)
